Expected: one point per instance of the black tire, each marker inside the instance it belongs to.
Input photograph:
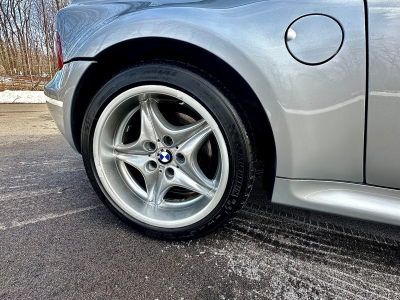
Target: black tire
(220, 104)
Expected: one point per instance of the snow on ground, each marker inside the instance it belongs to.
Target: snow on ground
(22, 97)
(5, 79)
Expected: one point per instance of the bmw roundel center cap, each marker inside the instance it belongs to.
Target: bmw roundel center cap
(165, 156)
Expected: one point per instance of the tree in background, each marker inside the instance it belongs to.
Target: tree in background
(27, 38)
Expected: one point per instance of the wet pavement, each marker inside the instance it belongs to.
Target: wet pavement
(59, 242)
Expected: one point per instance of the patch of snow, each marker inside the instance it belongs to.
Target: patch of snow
(22, 97)
(5, 79)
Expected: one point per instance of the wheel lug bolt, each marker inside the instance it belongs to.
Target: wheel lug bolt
(168, 141)
(180, 158)
(151, 166)
(150, 146)
(169, 173)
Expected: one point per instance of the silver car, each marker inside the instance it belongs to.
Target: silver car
(172, 103)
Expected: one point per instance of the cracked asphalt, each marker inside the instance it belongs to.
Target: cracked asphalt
(59, 242)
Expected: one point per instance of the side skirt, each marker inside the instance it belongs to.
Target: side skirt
(347, 199)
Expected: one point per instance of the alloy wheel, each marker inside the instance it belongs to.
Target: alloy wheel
(160, 156)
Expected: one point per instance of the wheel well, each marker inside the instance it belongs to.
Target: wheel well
(122, 55)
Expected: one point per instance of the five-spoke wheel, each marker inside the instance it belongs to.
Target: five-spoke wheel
(166, 151)
(172, 167)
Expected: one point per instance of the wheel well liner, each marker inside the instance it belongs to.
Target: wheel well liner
(120, 56)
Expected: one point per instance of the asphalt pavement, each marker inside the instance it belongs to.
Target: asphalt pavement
(57, 241)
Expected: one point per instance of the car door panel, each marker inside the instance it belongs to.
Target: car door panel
(383, 131)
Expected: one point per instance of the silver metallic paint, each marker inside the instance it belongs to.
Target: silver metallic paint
(63, 88)
(383, 135)
(316, 112)
(347, 199)
(57, 114)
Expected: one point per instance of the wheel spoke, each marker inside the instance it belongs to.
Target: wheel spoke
(137, 161)
(160, 186)
(188, 154)
(147, 139)
(192, 145)
(157, 189)
(146, 166)
(203, 187)
(179, 134)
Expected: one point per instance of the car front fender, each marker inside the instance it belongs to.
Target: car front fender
(317, 113)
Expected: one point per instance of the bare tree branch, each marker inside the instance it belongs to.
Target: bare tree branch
(27, 32)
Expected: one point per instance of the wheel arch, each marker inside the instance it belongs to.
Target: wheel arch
(130, 52)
